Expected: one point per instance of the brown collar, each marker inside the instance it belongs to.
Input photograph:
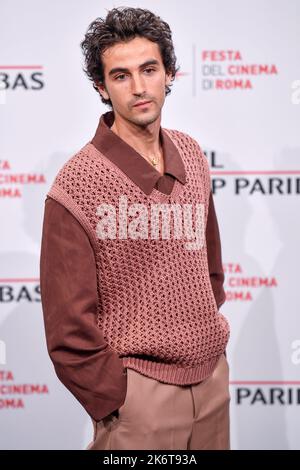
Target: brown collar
(136, 167)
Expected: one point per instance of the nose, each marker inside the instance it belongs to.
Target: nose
(138, 86)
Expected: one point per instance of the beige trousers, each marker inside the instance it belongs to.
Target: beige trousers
(156, 415)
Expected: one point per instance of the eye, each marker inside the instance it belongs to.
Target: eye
(150, 69)
(122, 75)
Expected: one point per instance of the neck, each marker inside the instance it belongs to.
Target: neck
(144, 139)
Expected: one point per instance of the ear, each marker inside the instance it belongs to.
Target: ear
(168, 79)
(102, 91)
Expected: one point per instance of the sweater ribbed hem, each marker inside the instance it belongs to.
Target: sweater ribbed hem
(170, 373)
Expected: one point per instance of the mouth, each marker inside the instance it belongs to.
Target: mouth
(142, 103)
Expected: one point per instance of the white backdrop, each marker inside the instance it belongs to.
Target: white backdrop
(238, 94)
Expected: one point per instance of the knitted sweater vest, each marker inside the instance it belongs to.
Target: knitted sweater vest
(156, 306)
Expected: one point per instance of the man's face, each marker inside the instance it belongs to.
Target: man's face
(134, 72)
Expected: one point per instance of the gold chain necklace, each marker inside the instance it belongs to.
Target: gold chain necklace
(153, 161)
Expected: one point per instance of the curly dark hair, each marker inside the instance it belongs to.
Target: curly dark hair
(121, 25)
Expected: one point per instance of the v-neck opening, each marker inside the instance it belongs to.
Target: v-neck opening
(155, 194)
(163, 197)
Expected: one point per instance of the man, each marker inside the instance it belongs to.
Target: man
(130, 300)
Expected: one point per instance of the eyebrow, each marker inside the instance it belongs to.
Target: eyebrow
(122, 69)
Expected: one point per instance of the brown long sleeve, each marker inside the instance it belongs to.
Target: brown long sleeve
(82, 359)
(214, 254)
